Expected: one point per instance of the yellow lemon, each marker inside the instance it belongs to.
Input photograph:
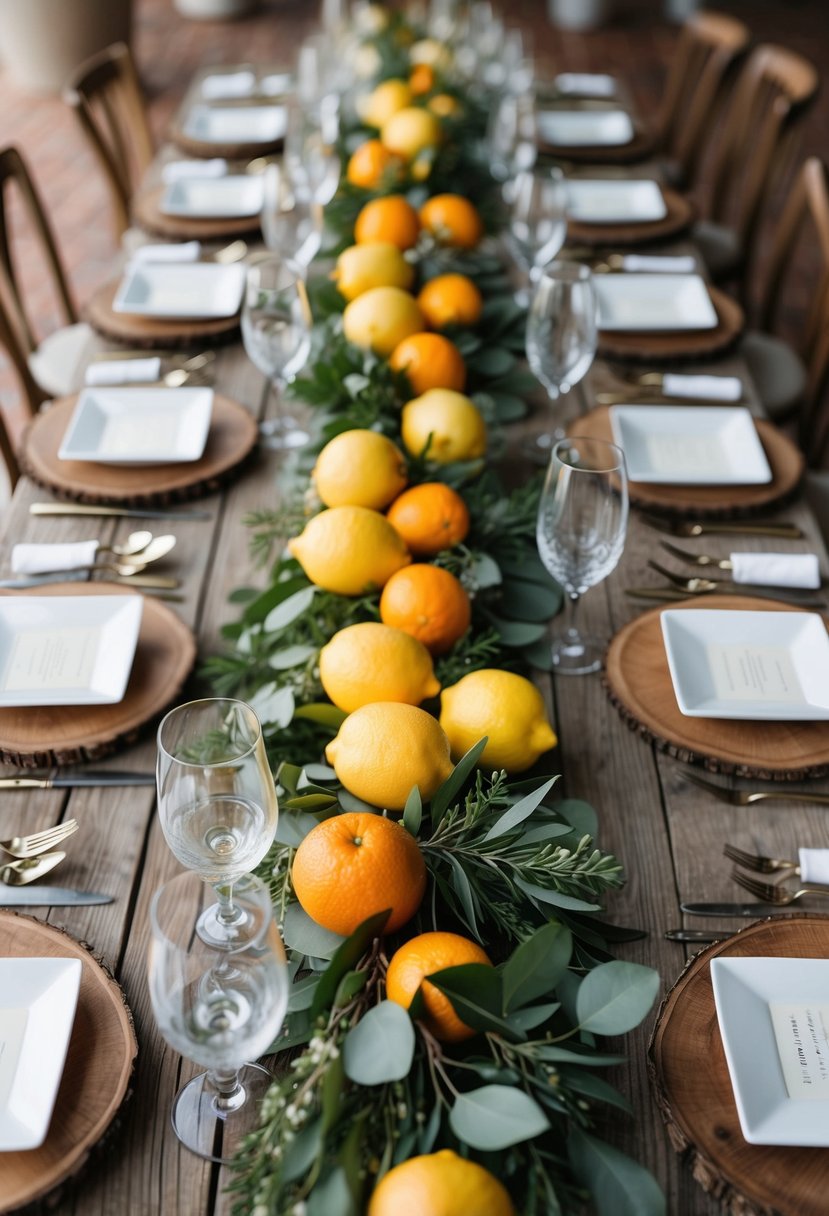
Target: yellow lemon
(381, 318)
(444, 105)
(349, 550)
(431, 52)
(384, 749)
(439, 1184)
(410, 131)
(385, 101)
(360, 468)
(373, 662)
(362, 267)
(506, 708)
(457, 430)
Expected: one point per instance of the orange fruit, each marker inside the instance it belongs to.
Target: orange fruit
(439, 1184)
(450, 299)
(353, 865)
(429, 603)
(391, 219)
(429, 517)
(452, 220)
(422, 79)
(421, 957)
(373, 163)
(430, 361)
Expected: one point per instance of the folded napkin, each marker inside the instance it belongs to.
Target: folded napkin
(585, 84)
(814, 864)
(275, 85)
(709, 388)
(37, 559)
(228, 84)
(124, 371)
(187, 251)
(641, 263)
(776, 569)
(178, 170)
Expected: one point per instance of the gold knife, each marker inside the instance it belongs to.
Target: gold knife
(76, 508)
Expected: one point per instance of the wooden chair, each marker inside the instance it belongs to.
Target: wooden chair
(708, 47)
(105, 93)
(773, 92)
(51, 367)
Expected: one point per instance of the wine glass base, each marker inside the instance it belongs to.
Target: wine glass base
(540, 449)
(281, 434)
(235, 934)
(216, 1135)
(577, 655)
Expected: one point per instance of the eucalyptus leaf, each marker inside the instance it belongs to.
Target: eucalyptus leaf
(580, 815)
(615, 997)
(528, 601)
(301, 993)
(619, 1186)
(345, 959)
(380, 1047)
(413, 812)
(463, 889)
(445, 795)
(351, 983)
(585, 1059)
(256, 612)
(332, 1196)
(272, 705)
(311, 802)
(300, 1153)
(491, 361)
(535, 967)
(484, 571)
(555, 898)
(508, 408)
(496, 1116)
(325, 715)
(350, 802)
(520, 811)
(305, 935)
(474, 991)
(539, 654)
(518, 633)
(320, 772)
(293, 826)
(595, 1088)
(289, 609)
(242, 595)
(533, 1015)
(291, 656)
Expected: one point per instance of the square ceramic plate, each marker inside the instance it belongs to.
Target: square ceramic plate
(37, 1009)
(752, 665)
(752, 996)
(690, 445)
(236, 124)
(602, 201)
(67, 649)
(654, 303)
(214, 198)
(138, 425)
(585, 84)
(196, 290)
(585, 128)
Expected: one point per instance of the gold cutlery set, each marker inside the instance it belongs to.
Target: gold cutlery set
(33, 855)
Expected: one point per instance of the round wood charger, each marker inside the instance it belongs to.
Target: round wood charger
(639, 683)
(71, 734)
(209, 148)
(638, 148)
(691, 344)
(232, 437)
(785, 460)
(151, 331)
(690, 1077)
(147, 214)
(96, 1077)
(679, 216)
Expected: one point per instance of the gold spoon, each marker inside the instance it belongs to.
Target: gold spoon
(19, 873)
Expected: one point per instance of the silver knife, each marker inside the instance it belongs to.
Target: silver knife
(729, 909)
(695, 935)
(50, 897)
(64, 781)
(76, 508)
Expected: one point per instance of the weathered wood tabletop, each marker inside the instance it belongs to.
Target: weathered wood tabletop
(668, 834)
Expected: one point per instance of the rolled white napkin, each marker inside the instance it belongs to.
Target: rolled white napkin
(228, 84)
(186, 251)
(814, 864)
(37, 559)
(647, 263)
(776, 569)
(178, 170)
(585, 84)
(123, 371)
(709, 388)
(276, 84)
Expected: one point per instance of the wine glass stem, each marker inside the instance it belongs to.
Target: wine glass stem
(571, 603)
(228, 914)
(229, 1092)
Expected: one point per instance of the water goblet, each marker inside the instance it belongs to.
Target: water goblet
(538, 219)
(582, 520)
(291, 225)
(311, 157)
(217, 802)
(217, 1007)
(511, 139)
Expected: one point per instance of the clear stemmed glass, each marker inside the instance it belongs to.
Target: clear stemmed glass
(218, 1008)
(538, 219)
(511, 139)
(276, 331)
(562, 332)
(311, 156)
(290, 223)
(216, 802)
(582, 520)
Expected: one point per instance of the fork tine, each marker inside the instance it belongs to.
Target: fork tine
(763, 890)
(682, 554)
(741, 857)
(38, 842)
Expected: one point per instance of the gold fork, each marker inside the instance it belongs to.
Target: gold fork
(695, 585)
(781, 866)
(747, 797)
(38, 842)
(770, 894)
(697, 559)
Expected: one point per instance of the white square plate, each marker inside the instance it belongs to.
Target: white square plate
(236, 124)
(67, 649)
(37, 1009)
(214, 198)
(690, 445)
(745, 989)
(605, 201)
(197, 290)
(138, 425)
(585, 128)
(750, 665)
(585, 84)
(654, 303)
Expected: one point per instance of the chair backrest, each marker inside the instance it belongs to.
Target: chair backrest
(105, 93)
(7, 455)
(709, 45)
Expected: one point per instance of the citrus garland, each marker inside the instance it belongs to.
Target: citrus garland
(451, 977)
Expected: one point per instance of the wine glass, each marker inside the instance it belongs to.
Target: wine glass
(562, 332)
(291, 225)
(311, 156)
(582, 520)
(538, 219)
(276, 331)
(216, 802)
(218, 1008)
(511, 139)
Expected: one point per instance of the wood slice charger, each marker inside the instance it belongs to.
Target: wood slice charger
(147, 213)
(96, 1077)
(637, 678)
(71, 734)
(648, 346)
(149, 332)
(785, 460)
(230, 441)
(638, 148)
(680, 213)
(689, 1074)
